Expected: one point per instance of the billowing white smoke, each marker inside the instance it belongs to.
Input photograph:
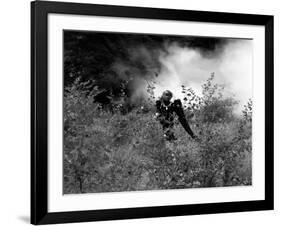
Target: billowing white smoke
(232, 65)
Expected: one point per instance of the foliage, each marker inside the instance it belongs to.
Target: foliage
(114, 149)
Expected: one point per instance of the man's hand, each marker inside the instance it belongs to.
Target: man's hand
(157, 116)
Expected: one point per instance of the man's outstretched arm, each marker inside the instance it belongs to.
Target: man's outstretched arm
(179, 111)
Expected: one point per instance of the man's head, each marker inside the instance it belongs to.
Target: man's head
(167, 95)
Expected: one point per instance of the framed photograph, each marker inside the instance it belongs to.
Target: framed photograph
(146, 112)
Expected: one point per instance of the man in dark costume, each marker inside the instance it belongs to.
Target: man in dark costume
(166, 112)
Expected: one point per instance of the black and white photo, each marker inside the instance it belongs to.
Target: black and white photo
(151, 112)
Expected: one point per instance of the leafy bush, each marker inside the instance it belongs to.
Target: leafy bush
(115, 149)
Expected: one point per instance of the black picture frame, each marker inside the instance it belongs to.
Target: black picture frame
(39, 112)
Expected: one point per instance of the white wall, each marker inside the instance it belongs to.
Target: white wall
(14, 119)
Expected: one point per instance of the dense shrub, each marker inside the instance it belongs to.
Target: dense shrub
(113, 148)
